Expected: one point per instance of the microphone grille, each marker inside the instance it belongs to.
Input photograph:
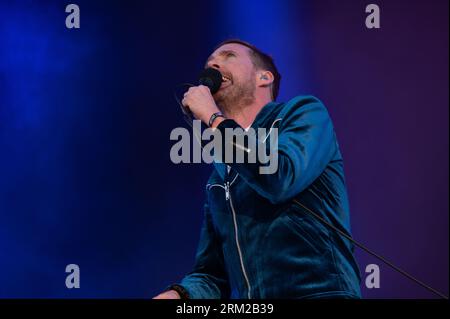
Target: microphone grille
(211, 78)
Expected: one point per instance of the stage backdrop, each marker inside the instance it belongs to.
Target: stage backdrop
(85, 118)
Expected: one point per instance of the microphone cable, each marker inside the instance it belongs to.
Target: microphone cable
(187, 115)
(367, 250)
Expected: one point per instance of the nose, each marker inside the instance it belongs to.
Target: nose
(213, 64)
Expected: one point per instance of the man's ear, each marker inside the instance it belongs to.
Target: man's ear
(264, 78)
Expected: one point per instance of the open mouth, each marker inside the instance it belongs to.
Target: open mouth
(226, 81)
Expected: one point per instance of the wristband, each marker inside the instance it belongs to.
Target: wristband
(213, 118)
(180, 289)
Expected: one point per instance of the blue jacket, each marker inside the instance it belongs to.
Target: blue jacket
(255, 242)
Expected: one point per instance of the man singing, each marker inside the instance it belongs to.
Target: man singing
(256, 242)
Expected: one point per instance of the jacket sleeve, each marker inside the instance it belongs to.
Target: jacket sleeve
(208, 279)
(306, 144)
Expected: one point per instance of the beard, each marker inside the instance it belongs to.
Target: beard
(237, 95)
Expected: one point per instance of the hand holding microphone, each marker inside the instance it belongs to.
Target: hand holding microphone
(199, 99)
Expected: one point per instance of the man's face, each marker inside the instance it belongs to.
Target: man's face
(238, 86)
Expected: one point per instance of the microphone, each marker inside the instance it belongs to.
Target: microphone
(211, 78)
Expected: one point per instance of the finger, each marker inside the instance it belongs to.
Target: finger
(185, 102)
(204, 89)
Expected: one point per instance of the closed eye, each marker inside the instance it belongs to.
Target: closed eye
(224, 54)
(227, 53)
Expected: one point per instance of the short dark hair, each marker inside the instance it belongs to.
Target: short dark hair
(260, 60)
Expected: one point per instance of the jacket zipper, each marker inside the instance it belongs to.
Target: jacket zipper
(228, 198)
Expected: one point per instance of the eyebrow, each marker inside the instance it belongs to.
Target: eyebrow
(221, 53)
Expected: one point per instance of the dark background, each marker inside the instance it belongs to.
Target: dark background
(85, 118)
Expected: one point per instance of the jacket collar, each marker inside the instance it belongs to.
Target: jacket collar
(263, 114)
(260, 118)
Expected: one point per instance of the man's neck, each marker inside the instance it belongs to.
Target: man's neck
(245, 116)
